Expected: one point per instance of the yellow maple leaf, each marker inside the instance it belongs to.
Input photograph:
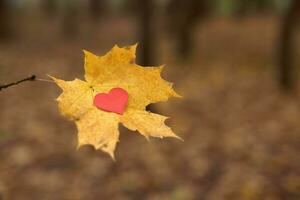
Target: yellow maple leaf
(116, 69)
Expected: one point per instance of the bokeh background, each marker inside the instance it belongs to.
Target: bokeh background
(236, 62)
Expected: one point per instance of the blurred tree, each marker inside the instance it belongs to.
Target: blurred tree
(146, 32)
(130, 7)
(97, 8)
(50, 7)
(247, 6)
(263, 5)
(5, 29)
(183, 17)
(70, 19)
(286, 48)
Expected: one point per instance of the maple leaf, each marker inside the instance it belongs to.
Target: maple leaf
(116, 69)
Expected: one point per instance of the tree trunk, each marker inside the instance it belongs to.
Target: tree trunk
(97, 8)
(5, 29)
(146, 33)
(50, 7)
(263, 5)
(182, 21)
(70, 19)
(286, 48)
(185, 42)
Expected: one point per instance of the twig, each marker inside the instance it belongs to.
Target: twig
(31, 78)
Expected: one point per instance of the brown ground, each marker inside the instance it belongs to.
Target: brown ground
(242, 135)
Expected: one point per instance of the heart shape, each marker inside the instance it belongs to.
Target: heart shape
(115, 101)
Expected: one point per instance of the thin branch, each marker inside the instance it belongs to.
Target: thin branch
(30, 78)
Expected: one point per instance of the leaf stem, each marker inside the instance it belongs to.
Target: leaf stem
(44, 80)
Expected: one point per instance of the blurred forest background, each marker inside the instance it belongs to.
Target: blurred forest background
(236, 62)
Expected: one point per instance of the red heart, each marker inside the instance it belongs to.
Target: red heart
(115, 101)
